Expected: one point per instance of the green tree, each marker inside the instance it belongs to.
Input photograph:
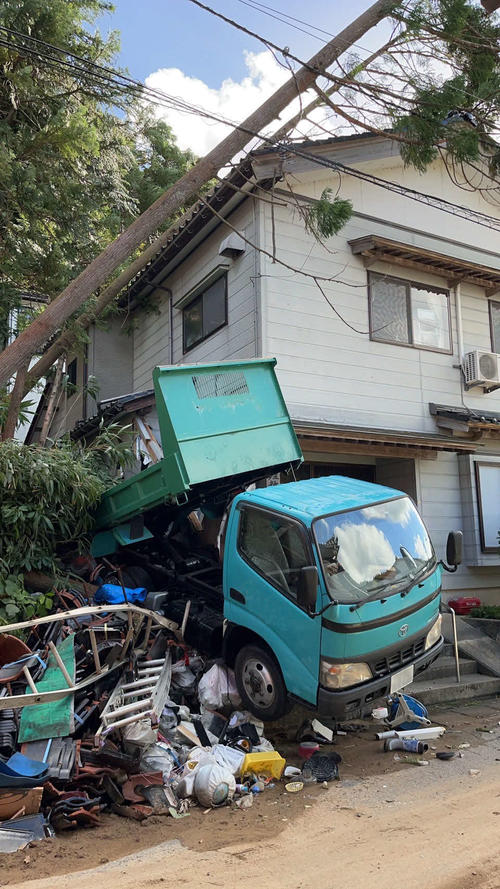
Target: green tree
(78, 156)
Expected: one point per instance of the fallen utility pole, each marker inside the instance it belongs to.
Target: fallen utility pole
(81, 288)
(67, 339)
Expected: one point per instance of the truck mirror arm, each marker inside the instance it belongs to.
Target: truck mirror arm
(322, 610)
(450, 568)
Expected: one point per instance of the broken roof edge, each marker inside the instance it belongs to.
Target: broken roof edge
(305, 429)
(225, 193)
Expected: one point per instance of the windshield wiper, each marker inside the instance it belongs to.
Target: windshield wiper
(377, 594)
(384, 586)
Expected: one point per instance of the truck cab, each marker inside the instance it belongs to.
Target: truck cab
(331, 595)
(324, 591)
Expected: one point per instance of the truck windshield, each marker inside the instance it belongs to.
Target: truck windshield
(378, 549)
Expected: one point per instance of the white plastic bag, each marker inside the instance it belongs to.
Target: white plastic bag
(138, 734)
(157, 758)
(229, 757)
(182, 677)
(214, 785)
(217, 688)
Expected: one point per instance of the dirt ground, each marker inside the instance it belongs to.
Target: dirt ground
(384, 823)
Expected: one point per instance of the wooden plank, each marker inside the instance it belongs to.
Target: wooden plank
(389, 438)
(371, 449)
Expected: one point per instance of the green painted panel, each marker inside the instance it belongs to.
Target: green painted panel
(224, 418)
(55, 718)
(216, 421)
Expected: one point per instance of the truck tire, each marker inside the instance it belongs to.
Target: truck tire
(260, 683)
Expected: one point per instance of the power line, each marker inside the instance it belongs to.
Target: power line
(285, 52)
(278, 18)
(165, 100)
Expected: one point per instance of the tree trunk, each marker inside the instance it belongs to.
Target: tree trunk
(79, 290)
(52, 403)
(16, 397)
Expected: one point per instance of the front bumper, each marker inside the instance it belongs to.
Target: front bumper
(351, 703)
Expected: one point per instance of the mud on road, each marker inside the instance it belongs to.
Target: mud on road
(384, 823)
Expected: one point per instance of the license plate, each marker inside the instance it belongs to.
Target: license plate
(402, 678)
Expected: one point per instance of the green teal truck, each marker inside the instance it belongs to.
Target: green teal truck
(324, 591)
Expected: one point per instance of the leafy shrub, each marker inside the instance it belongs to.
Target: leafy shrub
(16, 604)
(48, 497)
(490, 611)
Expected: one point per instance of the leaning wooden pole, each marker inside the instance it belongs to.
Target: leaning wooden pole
(67, 339)
(99, 271)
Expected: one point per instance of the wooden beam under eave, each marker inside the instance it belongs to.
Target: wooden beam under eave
(369, 260)
(366, 449)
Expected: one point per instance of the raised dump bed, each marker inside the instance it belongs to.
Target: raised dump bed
(218, 422)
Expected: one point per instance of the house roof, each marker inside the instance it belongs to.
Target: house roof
(465, 419)
(113, 409)
(225, 195)
(376, 248)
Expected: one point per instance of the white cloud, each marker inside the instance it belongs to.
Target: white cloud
(422, 548)
(364, 551)
(396, 511)
(232, 100)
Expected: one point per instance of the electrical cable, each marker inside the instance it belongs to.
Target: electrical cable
(179, 105)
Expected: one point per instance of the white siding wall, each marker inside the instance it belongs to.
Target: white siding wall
(332, 373)
(441, 506)
(236, 340)
(110, 356)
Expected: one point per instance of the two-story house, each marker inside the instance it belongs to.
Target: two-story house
(386, 335)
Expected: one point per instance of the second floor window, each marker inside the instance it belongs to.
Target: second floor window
(408, 313)
(495, 325)
(205, 314)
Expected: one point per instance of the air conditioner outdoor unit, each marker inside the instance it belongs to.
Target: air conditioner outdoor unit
(481, 369)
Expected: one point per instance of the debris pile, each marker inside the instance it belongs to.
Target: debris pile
(104, 708)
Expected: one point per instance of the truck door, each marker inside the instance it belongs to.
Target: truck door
(261, 584)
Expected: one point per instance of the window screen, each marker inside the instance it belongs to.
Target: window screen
(205, 314)
(495, 326)
(408, 313)
(488, 501)
(216, 385)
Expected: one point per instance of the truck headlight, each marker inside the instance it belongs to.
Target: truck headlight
(342, 675)
(434, 634)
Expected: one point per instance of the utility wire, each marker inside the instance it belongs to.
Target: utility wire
(170, 102)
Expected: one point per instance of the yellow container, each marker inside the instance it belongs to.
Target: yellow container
(268, 763)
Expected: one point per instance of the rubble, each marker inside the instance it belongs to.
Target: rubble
(104, 708)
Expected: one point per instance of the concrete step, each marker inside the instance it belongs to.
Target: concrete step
(445, 666)
(449, 651)
(437, 691)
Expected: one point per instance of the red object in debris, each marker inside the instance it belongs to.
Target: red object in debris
(129, 790)
(307, 748)
(464, 604)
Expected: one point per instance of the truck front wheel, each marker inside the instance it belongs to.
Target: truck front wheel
(260, 683)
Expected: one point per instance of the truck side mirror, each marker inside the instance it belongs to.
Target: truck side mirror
(454, 548)
(308, 588)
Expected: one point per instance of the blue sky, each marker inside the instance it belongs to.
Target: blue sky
(182, 50)
(175, 33)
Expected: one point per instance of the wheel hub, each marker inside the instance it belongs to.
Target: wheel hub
(258, 683)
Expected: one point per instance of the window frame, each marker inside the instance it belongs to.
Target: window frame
(409, 284)
(493, 303)
(482, 536)
(195, 299)
(302, 530)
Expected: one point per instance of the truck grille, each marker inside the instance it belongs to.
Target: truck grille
(388, 664)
